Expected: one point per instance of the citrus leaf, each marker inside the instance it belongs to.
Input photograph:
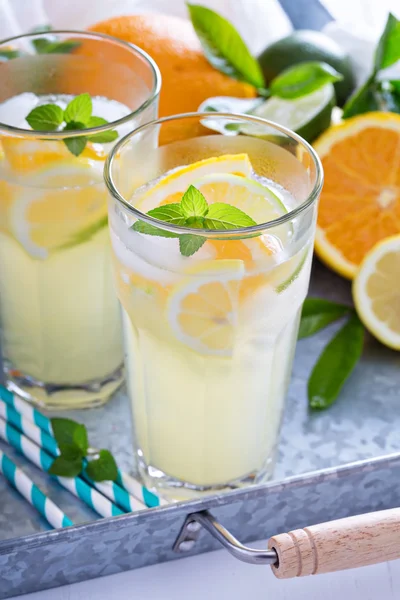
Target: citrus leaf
(335, 364)
(318, 314)
(225, 216)
(303, 79)
(47, 117)
(193, 203)
(79, 109)
(189, 244)
(363, 100)
(388, 49)
(103, 468)
(223, 46)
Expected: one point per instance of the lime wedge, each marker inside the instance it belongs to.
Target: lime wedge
(308, 116)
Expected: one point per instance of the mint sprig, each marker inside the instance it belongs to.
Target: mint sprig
(76, 116)
(73, 444)
(193, 211)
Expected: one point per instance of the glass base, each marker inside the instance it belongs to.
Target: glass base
(63, 397)
(176, 490)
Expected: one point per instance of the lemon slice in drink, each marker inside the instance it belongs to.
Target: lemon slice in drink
(203, 309)
(63, 206)
(170, 188)
(376, 291)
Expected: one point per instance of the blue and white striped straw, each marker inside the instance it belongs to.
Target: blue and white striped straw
(41, 459)
(32, 493)
(110, 489)
(129, 483)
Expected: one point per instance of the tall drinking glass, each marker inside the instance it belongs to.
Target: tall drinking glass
(60, 322)
(210, 334)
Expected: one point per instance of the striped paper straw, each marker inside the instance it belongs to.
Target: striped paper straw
(32, 493)
(129, 483)
(110, 489)
(41, 459)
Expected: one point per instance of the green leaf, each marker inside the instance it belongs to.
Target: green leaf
(80, 438)
(303, 79)
(65, 468)
(225, 216)
(148, 229)
(335, 364)
(103, 468)
(71, 452)
(223, 46)
(318, 314)
(64, 430)
(388, 50)
(189, 244)
(363, 100)
(79, 109)
(59, 47)
(47, 117)
(76, 145)
(193, 203)
(104, 137)
(170, 213)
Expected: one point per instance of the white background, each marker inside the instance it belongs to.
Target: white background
(217, 575)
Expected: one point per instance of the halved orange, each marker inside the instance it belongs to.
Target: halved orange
(360, 201)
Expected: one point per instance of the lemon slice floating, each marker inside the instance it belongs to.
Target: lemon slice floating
(203, 309)
(65, 206)
(170, 188)
(376, 292)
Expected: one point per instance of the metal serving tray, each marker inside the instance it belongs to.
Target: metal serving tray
(331, 464)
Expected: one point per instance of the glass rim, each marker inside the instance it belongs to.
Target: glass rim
(60, 135)
(215, 233)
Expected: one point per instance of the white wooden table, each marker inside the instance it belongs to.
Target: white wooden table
(217, 575)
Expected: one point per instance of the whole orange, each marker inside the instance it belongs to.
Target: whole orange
(187, 77)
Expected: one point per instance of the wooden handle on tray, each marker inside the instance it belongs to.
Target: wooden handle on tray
(337, 545)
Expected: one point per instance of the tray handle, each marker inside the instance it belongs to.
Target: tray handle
(337, 545)
(334, 546)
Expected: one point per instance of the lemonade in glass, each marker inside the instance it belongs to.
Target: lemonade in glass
(60, 321)
(211, 283)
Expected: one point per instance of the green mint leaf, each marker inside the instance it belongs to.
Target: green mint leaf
(47, 117)
(64, 430)
(63, 467)
(170, 213)
(76, 145)
(318, 313)
(71, 452)
(59, 47)
(362, 100)
(103, 468)
(80, 438)
(388, 49)
(105, 136)
(335, 364)
(225, 216)
(223, 46)
(79, 109)
(148, 229)
(189, 244)
(303, 79)
(9, 54)
(41, 44)
(193, 203)
(395, 86)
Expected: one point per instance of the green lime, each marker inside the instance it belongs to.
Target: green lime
(308, 115)
(302, 46)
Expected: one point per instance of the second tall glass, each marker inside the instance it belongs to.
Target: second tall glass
(211, 311)
(60, 324)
